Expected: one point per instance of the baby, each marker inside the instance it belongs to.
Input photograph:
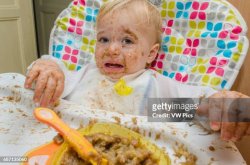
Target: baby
(128, 39)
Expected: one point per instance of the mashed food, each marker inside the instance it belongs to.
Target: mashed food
(116, 149)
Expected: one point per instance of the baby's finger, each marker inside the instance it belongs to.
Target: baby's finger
(58, 91)
(32, 75)
(202, 110)
(49, 92)
(229, 118)
(240, 131)
(40, 86)
(215, 113)
(227, 130)
(215, 126)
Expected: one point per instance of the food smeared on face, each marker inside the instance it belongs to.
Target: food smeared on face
(126, 43)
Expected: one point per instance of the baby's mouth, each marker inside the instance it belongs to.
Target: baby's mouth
(113, 68)
(112, 65)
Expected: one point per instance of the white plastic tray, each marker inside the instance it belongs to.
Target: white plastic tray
(21, 132)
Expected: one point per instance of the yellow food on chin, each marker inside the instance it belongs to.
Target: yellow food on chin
(122, 89)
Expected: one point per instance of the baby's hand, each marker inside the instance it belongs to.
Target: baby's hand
(49, 82)
(227, 111)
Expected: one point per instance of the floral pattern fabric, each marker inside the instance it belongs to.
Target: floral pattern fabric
(203, 42)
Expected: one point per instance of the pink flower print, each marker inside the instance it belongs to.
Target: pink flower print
(70, 54)
(217, 66)
(75, 26)
(192, 47)
(181, 78)
(167, 29)
(81, 2)
(170, 23)
(199, 10)
(162, 56)
(232, 32)
(158, 61)
(153, 64)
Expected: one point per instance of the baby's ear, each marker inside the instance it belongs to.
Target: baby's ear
(153, 53)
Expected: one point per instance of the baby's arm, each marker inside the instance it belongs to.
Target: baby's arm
(217, 109)
(228, 112)
(52, 79)
(49, 81)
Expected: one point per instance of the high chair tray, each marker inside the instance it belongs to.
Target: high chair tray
(21, 133)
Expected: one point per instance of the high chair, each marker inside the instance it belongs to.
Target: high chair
(203, 42)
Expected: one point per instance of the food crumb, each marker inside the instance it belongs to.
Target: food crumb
(58, 139)
(10, 98)
(157, 136)
(104, 83)
(230, 147)
(181, 151)
(81, 126)
(211, 161)
(149, 134)
(19, 110)
(173, 132)
(117, 119)
(144, 133)
(58, 114)
(211, 148)
(185, 134)
(136, 129)
(24, 115)
(134, 120)
(93, 121)
(57, 103)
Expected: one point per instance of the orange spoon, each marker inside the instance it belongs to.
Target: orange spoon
(81, 145)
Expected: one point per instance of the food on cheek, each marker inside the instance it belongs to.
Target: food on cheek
(116, 149)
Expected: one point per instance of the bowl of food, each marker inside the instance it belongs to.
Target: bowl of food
(117, 144)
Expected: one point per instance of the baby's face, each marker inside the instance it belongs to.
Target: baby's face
(124, 45)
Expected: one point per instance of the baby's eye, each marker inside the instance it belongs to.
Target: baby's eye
(103, 40)
(127, 41)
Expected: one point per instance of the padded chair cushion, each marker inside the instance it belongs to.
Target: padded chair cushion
(203, 42)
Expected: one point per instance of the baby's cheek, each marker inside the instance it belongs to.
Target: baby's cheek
(131, 58)
(133, 54)
(135, 62)
(98, 59)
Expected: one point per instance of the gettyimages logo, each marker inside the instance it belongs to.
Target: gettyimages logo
(172, 109)
(186, 109)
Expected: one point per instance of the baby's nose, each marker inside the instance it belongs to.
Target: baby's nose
(114, 48)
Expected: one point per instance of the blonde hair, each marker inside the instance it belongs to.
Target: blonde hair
(153, 17)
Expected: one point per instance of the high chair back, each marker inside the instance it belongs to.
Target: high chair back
(203, 42)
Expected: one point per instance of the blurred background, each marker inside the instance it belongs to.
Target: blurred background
(25, 27)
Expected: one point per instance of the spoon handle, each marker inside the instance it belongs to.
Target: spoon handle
(80, 144)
